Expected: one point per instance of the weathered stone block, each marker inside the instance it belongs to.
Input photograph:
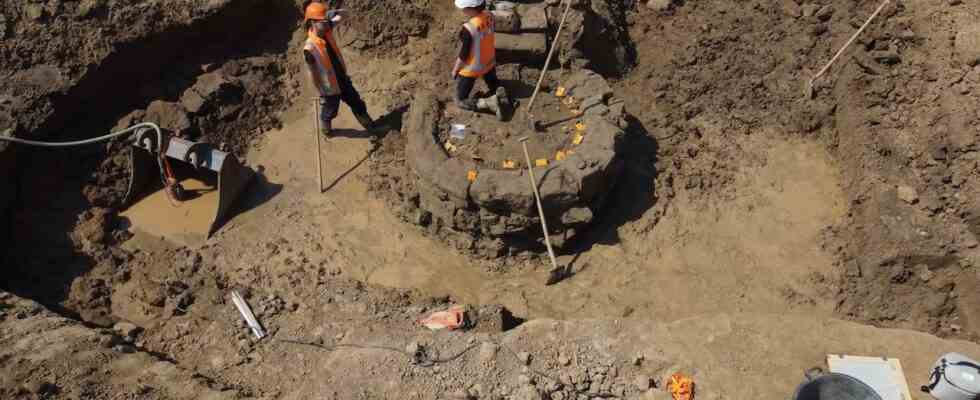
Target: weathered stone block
(500, 203)
(506, 21)
(585, 84)
(602, 134)
(524, 48)
(503, 191)
(577, 216)
(559, 190)
(534, 18)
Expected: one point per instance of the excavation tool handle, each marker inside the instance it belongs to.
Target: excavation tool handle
(537, 199)
(547, 61)
(316, 134)
(809, 85)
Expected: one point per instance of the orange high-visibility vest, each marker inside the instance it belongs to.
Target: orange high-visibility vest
(317, 47)
(483, 53)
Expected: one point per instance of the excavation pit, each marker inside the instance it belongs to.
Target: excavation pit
(478, 185)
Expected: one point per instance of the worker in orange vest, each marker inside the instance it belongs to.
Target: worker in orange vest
(478, 59)
(328, 72)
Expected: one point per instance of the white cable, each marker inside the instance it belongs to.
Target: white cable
(126, 131)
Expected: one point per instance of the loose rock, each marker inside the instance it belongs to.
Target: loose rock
(825, 12)
(659, 5)
(968, 44)
(87, 8)
(810, 9)
(790, 8)
(908, 194)
(412, 348)
(124, 348)
(169, 115)
(528, 392)
(642, 382)
(488, 352)
(886, 57)
(3, 27)
(127, 330)
(34, 11)
(564, 360)
(925, 274)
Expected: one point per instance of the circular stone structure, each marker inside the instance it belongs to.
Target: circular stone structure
(492, 203)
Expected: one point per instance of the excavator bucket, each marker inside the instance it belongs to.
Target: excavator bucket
(211, 181)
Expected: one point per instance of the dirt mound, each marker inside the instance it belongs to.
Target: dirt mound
(914, 162)
(47, 80)
(912, 293)
(381, 26)
(48, 356)
(228, 105)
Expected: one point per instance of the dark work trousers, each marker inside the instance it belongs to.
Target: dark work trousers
(330, 105)
(464, 85)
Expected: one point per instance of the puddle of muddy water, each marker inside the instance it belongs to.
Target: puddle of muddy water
(185, 223)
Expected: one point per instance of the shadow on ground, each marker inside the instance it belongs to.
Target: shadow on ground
(632, 196)
(257, 193)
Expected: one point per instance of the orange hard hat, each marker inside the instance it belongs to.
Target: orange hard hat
(316, 11)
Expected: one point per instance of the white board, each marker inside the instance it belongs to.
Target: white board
(884, 375)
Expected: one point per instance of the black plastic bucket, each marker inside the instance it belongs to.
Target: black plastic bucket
(831, 386)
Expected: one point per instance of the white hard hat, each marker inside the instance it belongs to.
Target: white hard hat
(468, 3)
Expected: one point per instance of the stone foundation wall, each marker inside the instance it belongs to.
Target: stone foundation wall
(497, 210)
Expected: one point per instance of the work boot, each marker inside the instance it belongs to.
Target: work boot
(503, 98)
(467, 104)
(491, 104)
